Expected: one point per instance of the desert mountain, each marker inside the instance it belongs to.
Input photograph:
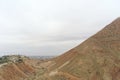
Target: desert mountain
(97, 58)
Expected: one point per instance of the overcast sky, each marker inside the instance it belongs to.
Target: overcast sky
(51, 27)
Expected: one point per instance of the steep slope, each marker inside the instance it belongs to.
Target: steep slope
(98, 58)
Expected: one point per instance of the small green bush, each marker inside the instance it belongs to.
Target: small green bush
(3, 60)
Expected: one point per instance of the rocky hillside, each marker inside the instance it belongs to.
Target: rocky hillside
(97, 58)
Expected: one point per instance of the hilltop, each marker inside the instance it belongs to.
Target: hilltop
(12, 58)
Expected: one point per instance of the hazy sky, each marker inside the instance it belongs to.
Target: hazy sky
(51, 27)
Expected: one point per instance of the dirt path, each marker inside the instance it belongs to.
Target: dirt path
(71, 77)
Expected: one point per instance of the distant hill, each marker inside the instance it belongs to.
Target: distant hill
(12, 58)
